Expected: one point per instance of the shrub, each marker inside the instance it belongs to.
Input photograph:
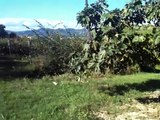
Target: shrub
(48, 56)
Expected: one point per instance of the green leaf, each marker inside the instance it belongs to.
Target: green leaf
(90, 65)
(86, 47)
(157, 41)
(102, 54)
(139, 39)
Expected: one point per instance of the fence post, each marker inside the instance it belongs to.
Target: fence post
(29, 47)
(9, 46)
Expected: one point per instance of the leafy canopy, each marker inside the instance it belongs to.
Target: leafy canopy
(122, 38)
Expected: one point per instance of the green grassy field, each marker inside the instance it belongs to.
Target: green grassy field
(65, 98)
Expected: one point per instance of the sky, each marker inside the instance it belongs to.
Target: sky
(15, 13)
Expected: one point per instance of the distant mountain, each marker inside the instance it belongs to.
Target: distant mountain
(69, 32)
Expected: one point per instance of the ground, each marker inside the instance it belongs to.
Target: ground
(147, 108)
(109, 97)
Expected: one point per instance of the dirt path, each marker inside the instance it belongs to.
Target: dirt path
(146, 108)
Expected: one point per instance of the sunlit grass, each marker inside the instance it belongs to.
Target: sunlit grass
(63, 97)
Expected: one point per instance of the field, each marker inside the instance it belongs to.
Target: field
(111, 72)
(66, 97)
(36, 84)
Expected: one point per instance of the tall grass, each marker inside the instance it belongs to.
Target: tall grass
(48, 54)
(53, 51)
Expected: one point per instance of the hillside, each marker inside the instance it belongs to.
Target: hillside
(64, 32)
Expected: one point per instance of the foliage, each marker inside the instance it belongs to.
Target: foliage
(12, 35)
(17, 47)
(3, 33)
(48, 52)
(58, 55)
(128, 37)
(53, 51)
(91, 17)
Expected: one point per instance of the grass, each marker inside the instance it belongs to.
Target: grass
(42, 99)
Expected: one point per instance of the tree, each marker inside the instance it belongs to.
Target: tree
(3, 33)
(12, 35)
(122, 38)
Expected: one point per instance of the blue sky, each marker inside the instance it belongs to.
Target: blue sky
(15, 13)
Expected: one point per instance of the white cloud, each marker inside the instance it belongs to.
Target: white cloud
(16, 24)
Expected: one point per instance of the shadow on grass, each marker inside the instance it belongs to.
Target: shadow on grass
(12, 75)
(150, 85)
(150, 70)
(148, 100)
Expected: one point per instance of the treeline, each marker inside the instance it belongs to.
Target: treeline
(5, 34)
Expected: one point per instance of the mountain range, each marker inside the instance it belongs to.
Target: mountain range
(68, 32)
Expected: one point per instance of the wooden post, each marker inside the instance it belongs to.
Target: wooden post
(9, 46)
(29, 49)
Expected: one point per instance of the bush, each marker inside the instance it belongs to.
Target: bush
(48, 56)
(58, 57)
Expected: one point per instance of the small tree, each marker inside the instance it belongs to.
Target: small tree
(3, 33)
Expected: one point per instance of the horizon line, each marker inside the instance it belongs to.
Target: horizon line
(18, 24)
